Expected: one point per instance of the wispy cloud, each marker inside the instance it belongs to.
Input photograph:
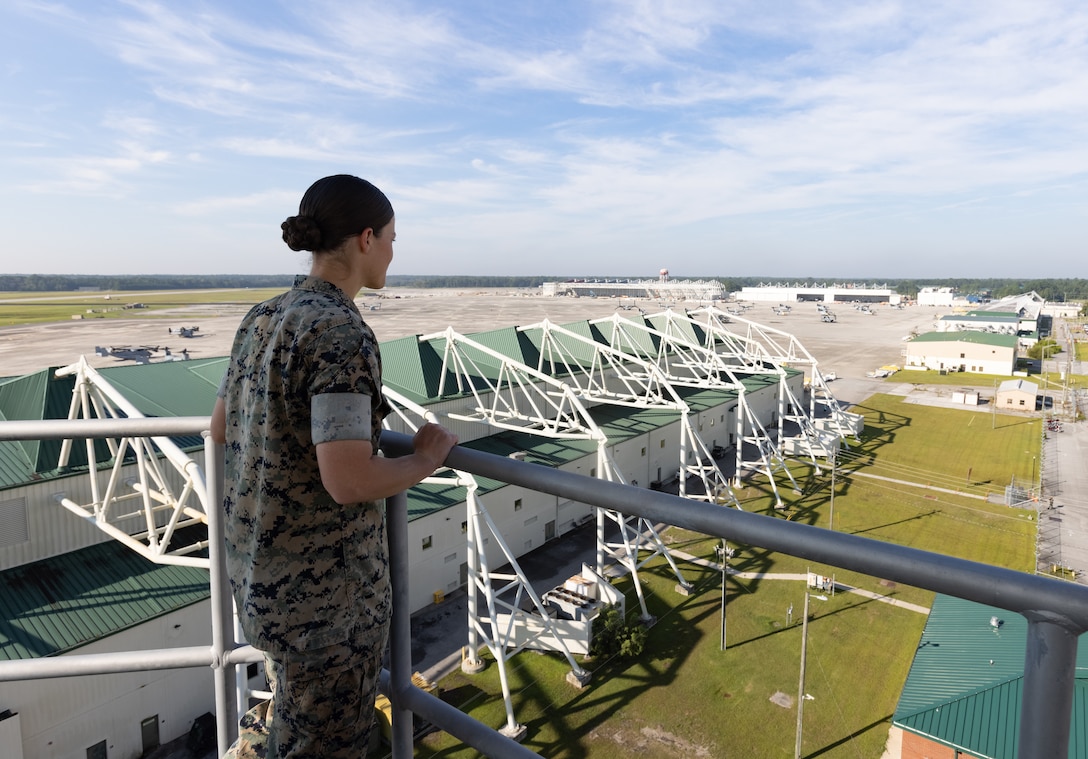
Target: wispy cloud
(617, 121)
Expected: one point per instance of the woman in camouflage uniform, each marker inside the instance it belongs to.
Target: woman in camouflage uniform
(300, 411)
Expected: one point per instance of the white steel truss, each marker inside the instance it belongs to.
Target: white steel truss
(767, 344)
(718, 363)
(604, 374)
(507, 393)
(507, 628)
(163, 507)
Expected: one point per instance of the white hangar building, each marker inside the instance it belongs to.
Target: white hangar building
(661, 289)
(973, 351)
(941, 297)
(818, 292)
(103, 547)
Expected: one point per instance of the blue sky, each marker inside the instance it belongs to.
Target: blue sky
(717, 138)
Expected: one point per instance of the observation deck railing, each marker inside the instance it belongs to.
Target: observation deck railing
(1056, 611)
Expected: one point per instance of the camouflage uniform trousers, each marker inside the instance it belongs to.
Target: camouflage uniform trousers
(322, 703)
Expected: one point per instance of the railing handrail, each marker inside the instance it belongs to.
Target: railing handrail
(1056, 612)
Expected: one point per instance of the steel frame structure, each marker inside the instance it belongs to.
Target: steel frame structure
(503, 614)
(1056, 611)
(508, 394)
(163, 508)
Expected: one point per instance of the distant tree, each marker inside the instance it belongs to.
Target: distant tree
(1045, 348)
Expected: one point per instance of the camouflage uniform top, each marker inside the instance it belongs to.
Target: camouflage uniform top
(306, 572)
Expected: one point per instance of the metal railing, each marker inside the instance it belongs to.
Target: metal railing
(1056, 611)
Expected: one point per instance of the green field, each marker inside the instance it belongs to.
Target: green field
(685, 697)
(37, 308)
(982, 382)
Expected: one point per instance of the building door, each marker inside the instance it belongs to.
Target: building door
(97, 751)
(149, 731)
(549, 530)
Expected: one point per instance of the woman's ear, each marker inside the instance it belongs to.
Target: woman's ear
(365, 238)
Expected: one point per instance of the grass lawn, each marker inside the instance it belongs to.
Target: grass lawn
(39, 308)
(686, 698)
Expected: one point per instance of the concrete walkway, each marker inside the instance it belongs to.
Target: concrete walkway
(797, 577)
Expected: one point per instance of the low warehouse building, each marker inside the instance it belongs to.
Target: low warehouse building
(1017, 395)
(977, 352)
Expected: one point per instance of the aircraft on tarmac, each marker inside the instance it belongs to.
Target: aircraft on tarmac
(141, 354)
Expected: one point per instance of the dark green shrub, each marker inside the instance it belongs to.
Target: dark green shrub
(613, 636)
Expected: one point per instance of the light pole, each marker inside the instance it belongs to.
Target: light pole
(834, 459)
(723, 553)
(801, 685)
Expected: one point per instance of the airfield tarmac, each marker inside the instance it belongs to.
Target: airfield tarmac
(857, 343)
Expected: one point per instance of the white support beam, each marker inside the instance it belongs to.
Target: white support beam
(151, 530)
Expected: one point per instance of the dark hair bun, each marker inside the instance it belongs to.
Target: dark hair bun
(301, 233)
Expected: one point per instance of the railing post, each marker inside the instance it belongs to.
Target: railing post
(1046, 708)
(222, 606)
(400, 628)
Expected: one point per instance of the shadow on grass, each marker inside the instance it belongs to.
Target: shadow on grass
(893, 524)
(886, 720)
(616, 682)
(814, 614)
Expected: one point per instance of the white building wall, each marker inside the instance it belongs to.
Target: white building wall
(62, 718)
(662, 453)
(53, 530)
(973, 357)
(941, 297)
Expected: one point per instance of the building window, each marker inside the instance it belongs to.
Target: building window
(593, 472)
(662, 444)
(428, 542)
(1021, 401)
(517, 505)
(464, 527)
(97, 751)
(644, 451)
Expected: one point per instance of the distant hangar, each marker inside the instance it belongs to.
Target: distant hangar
(803, 292)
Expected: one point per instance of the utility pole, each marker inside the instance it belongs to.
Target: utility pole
(725, 565)
(801, 686)
(834, 459)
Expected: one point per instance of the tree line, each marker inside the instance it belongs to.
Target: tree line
(1054, 290)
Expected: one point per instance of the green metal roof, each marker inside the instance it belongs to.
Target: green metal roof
(169, 388)
(965, 684)
(413, 366)
(1009, 314)
(643, 344)
(58, 604)
(981, 338)
(33, 397)
(681, 327)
